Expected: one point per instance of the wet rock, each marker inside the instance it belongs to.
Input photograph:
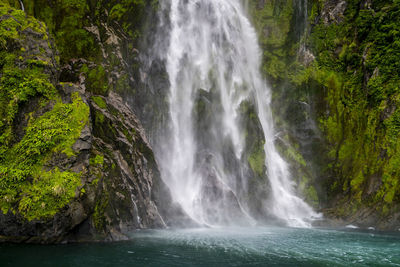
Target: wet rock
(333, 11)
(121, 189)
(306, 57)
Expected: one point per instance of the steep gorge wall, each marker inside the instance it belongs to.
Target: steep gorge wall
(342, 73)
(282, 26)
(334, 71)
(75, 163)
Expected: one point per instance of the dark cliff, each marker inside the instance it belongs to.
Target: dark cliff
(75, 163)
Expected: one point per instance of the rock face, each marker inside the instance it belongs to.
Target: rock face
(362, 139)
(337, 102)
(333, 11)
(91, 175)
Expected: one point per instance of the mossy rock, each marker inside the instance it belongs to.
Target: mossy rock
(27, 77)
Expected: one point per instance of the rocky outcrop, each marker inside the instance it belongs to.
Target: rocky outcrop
(91, 175)
(333, 11)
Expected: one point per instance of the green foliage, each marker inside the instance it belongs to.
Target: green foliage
(96, 79)
(357, 72)
(292, 154)
(308, 191)
(128, 13)
(257, 160)
(24, 185)
(49, 192)
(100, 102)
(99, 219)
(66, 20)
(74, 23)
(273, 22)
(357, 63)
(13, 3)
(23, 179)
(16, 21)
(71, 37)
(97, 160)
(18, 84)
(17, 87)
(99, 117)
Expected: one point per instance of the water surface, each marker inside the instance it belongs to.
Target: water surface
(219, 247)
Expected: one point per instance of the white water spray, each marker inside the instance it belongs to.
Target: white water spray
(22, 5)
(213, 55)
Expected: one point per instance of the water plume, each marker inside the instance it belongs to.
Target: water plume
(213, 63)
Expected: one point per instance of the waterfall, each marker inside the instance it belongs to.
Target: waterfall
(213, 64)
(22, 5)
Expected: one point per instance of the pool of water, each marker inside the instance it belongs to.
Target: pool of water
(219, 247)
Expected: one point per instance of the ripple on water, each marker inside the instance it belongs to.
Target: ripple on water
(219, 247)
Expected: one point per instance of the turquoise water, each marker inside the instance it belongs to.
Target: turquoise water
(219, 247)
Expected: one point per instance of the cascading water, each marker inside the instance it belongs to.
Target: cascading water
(22, 5)
(213, 63)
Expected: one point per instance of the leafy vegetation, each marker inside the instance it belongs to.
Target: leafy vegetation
(280, 33)
(273, 22)
(97, 160)
(18, 85)
(96, 79)
(257, 161)
(356, 71)
(27, 95)
(357, 62)
(25, 180)
(66, 20)
(99, 219)
(74, 23)
(355, 77)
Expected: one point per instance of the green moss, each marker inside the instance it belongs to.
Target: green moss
(390, 189)
(72, 21)
(13, 3)
(118, 11)
(308, 191)
(49, 192)
(122, 83)
(293, 155)
(17, 21)
(127, 134)
(96, 79)
(23, 179)
(357, 64)
(257, 161)
(98, 217)
(99, 117)
(72, 40)
(129, 13)
(16, 88)
(273, 23)
(97, 160)
(155, 4)
(66, 20)
(100, 102)
(356, 79)
(21, 78)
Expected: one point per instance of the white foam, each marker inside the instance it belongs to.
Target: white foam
(351, 226)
